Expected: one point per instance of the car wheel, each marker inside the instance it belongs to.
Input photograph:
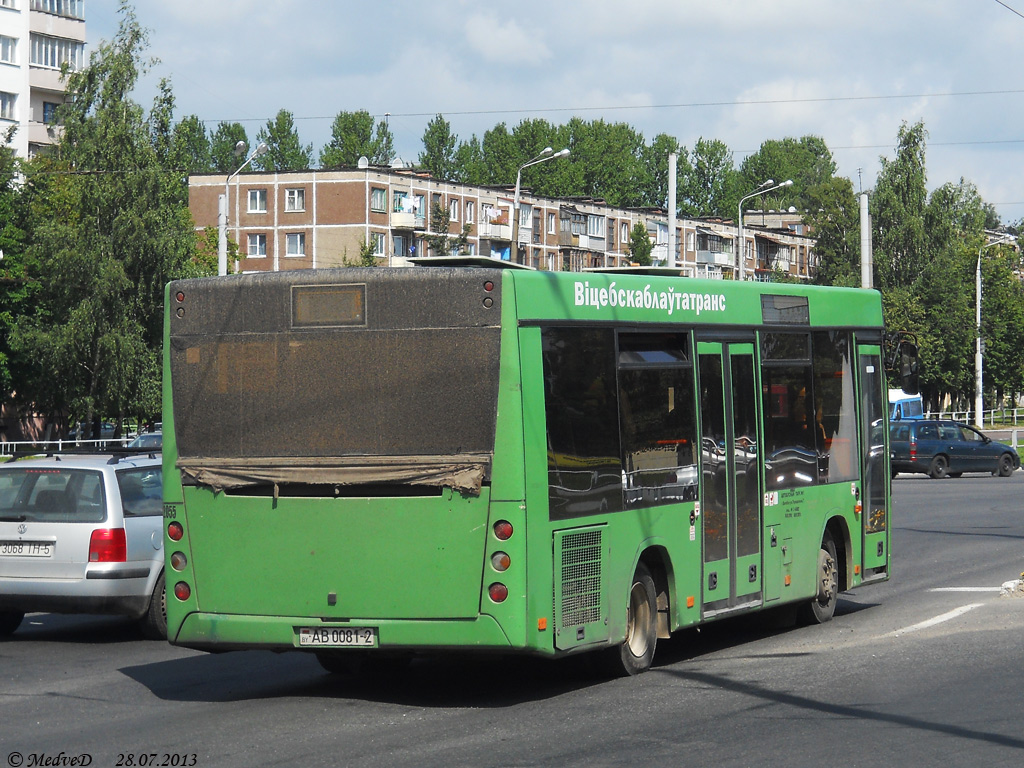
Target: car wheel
(154, 623)
(1005, 465)
(10, 621)
(939, 467)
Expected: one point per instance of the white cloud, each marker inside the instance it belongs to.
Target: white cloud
(503, 41)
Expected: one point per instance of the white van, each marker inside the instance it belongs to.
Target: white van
(903, 406)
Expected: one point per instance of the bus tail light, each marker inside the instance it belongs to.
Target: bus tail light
(108, 545)
(175, 531)
(179, 561)
(503, 530)
(182, 591)
(500, 561)
(498, 592)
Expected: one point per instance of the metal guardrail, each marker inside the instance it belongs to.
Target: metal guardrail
(46, 446)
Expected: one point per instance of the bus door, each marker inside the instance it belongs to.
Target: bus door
(730, 497)
(874, 463)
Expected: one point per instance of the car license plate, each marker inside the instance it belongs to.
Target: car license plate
(338, 637)
(26, 548)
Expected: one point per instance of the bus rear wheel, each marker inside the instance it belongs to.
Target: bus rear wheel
(636, 653)
(10, 621)
(823, 605)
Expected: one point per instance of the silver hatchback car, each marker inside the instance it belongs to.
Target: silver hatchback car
(82, 534)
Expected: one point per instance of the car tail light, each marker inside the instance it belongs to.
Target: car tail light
(108, 545)
(503, 530)
(175, 531)
(913, 449)
(498, 592)
(182, 591)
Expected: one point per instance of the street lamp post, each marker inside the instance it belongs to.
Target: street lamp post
(222, 213)
(978, 398)
(765, 187)
(544, 156)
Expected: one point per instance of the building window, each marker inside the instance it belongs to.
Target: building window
(295, 199)
(8, 49)
(295, 244)
(257, 246)
(8, 102)
(377, 241)
(52, 52)
(398, 201)
(453, 210)
(8, 4)
(594, 226)
(470, 211)
(551, 224)
(72, 9)
(257, 201)
(624, 233)
(378, 199)
(50, 112)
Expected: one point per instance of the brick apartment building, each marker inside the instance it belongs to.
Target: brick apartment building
(315, 219)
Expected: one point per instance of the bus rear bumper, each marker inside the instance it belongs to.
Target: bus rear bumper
(227, 632)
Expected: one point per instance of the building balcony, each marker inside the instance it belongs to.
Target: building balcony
(495, 231)
(719, 258)
(407, 220)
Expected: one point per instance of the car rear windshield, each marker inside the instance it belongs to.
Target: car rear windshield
(141, 491)
(53, 495)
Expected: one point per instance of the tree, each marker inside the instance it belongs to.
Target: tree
(653, 184)
(833, 215)
(285, 151)
(13, 293)
(109, 230)
(898, 206)
(709, 180)
(352, 137)
(190, 146)
(806, 161)
(440, 241)
(438, 154)
(640, 246)
(223, 144)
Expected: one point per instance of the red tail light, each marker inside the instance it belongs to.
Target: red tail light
(108, 545)
(913, 449)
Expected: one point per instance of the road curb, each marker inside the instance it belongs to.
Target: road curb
(1014, 588)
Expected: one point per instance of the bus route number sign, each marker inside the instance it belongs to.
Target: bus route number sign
(338, 637)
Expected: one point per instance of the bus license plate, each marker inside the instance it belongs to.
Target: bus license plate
(338, 637)
(26, 548)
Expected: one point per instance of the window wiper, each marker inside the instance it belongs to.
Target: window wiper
(13, 518)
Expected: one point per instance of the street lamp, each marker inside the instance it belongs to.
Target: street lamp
(222, 214)
(978, 399)
(764, 188)
(544, 156)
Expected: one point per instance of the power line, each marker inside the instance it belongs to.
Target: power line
(1012, 10)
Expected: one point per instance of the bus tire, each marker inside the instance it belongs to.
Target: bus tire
(10, 621)
(822, 606)
(154, 622)
(636, 653)
(939, 467)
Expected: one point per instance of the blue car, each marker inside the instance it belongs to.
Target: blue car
(947, 449)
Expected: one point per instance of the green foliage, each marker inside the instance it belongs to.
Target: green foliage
(833, 215)
(640, 245)
(710, 180)
(285, 152)
(438, 154)
(440, 241)
(898, 206)
(352, 137)
(222, 147)
(806, 161)
(109, 228)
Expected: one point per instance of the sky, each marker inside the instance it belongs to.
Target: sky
(740, 71)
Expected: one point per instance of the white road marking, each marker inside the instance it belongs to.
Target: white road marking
(938, 619)
(966, 589)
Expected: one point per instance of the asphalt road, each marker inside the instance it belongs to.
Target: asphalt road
(923, 670)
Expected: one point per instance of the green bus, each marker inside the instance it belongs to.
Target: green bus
(370, 463)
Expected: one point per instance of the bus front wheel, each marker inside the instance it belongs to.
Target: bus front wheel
(823, 605)
(636, 652)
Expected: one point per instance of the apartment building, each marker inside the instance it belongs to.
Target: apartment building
(36, 38)
(313, 219)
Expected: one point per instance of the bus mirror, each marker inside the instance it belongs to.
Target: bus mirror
(909, 378)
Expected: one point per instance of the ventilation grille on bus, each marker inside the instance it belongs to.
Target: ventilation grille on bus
(581, 578)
